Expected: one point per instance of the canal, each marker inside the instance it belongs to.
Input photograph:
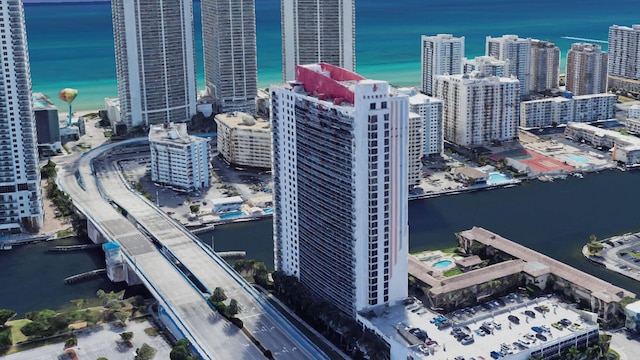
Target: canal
(553, 218)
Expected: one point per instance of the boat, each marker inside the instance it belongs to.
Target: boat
(6, 247)
(544, 178)
(578, 175)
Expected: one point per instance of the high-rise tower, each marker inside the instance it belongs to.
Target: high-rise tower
(340, 186)
(230, 63)
(518, 52)
(624, 57)
(21, 207)
(155, 61)
(441, 54)
(586, 69)
(545, 65)
(317, 31)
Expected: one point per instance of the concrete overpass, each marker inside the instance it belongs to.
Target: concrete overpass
(177, 268)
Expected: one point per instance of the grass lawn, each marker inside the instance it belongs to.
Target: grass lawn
(16, 325)
(452, 272)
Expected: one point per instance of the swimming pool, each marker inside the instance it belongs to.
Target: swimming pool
(578, 158)
(442, 264)
(267, 210)
(497, 178)
(232, 215)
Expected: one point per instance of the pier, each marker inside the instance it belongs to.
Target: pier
(73, 247)
(85, 276)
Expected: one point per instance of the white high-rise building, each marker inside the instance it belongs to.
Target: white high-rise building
(430, 110)
(518, 52)
(478, 109)
(21, 207)
(546, 112)
(340, 165)
(155, 61)
(441, 54)
(545, 65)
(230, 62)
(586, 69)
(486, 65)
(624, 57)
(316, 31)
(177, 158)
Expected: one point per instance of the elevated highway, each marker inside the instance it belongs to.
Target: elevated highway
(162, 253)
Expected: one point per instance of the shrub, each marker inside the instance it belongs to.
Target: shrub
(237, 322)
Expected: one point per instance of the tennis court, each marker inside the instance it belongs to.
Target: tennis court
(538, 163)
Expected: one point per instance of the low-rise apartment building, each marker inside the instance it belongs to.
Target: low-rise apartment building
(244, 140)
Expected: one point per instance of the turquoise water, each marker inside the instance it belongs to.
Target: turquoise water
(578, 158)
(267, 210)
(232, 215)
(497, 178)
(442, 264)
(71, 45)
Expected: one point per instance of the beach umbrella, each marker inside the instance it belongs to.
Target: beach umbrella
(68, 95)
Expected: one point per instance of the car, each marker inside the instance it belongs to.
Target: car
(565, 322)
(557, 326)
(423, 349)
(467, 340)
(431, 343)
(530, 313)
(480, 332)
(537, 329)
(458, 358)
(455, 330)
(514, 319)
(495, 355)
(541, 337)
(497, 325)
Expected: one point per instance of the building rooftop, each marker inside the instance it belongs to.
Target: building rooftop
(42, 102)
(392, 319)
(242, 120)
(599, 288)
(327, 80)
(172, 133)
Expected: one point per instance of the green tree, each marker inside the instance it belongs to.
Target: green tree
(233, 307)
(145, 352)
(218, 295)
(5, 339)
(194, 208)
(126, 336)
(6, 315)
(71, 342)
(181, 351)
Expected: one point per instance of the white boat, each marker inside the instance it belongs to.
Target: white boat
(578, 175)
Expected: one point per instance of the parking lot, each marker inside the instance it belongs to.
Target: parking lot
(508, 325)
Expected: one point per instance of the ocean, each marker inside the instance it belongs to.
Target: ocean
(71, 44)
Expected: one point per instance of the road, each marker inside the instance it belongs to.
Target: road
(262, 320)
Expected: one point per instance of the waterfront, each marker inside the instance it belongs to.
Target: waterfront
(553, 218)
(71, 45)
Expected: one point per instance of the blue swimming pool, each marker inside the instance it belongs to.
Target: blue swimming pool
(497, 178)
(267, 210)
(442, 264)
(232, 215)
(578, 158)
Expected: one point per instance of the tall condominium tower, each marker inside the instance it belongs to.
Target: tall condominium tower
(545, 65)
(441, 54)
(317, 31)
(624, 57)
(340, 186)
(487, 66)
(230, 64)
(155, 61)
(21, 206)
(478, 109)
(586, 69)
(518, 52)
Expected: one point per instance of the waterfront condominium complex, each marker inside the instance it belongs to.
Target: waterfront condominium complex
(545, 65)
(317, 31)
(340, 186)
(230, 63)
(177, 158)
(441, 54)
(478, 109)
(518, 52)
(21, 207)
(243, 140)
(624, 57)
(586, 69)
(155, 61)
(486, 65)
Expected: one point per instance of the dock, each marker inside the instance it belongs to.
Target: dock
(73, 247)
(85, 276)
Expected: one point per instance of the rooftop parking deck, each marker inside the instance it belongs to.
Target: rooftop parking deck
(518, 337)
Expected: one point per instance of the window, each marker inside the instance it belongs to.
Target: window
(372, 106)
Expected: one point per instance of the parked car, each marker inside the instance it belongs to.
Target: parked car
(565, 322)
(537, 329)
(530, 313)
(541, 337)
(557, 326)
(514, 319)
(495, 355)
(467, 340)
